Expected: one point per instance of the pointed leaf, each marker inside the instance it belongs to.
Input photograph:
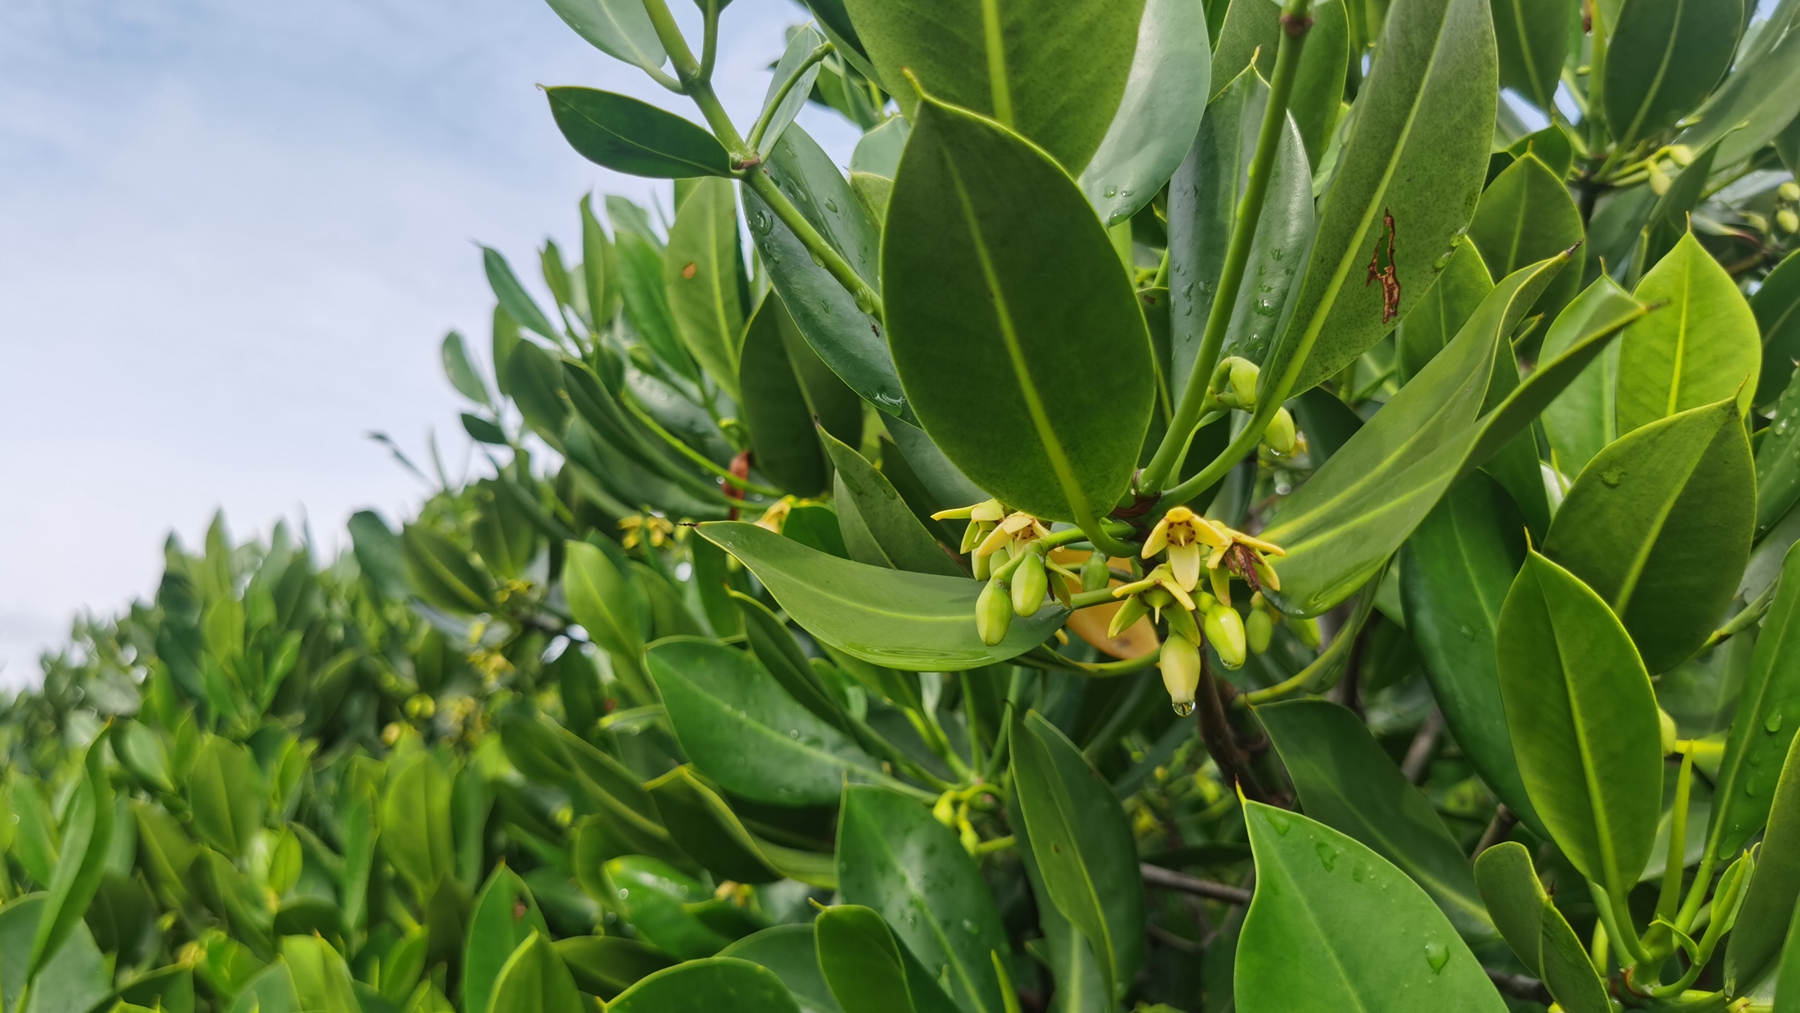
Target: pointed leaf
(619, 28)
(901, 539)
(1583, 418)
(791, 952)
(1663, 57)
(1770, 902)
(1526, 215)
(1165, 95)
(1701, 346)
(634, 137)
(1536, 930)
(707, 986)
(701, 276)
(1532, 36)
(1768, 713)
(868, 970)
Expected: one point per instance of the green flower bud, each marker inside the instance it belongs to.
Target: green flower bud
(1181, 624)
(1308, 632)
(1225, 632)
(1258, 629)
(1280, 434)
(1669, 733)
(1029, 584)
(1682, 155)
(1234, 383)
(1788, 221)
(945, 810)
(1130, 612)
(1789, 191)
(970, 839)
(993, 612)
(1094, 573)
(1157, 598)
(1180, 663)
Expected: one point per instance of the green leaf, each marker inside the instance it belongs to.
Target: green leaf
(790, 952)
(1770, 903)
(461, 370)
(646, 303)
(847, 337)
(619, 28)
(868, 970)
(505, 916)
(270, 991)
(1659, 525)
(416, 834)
(1056, 73)
(1787, 982)
(1433, 321)
(38, 839)
(1768, 712)
(321, 979)
(1662, 59)
(800, 46)
(1532, 37)
(1251, 31)
(517, 303)
(599, 268)
(895, 858)
(1164, 98)
(706, 828)
(1583, 419)
(1776, 306)
(707, 986)
(1083, 846)
(1373, 940)
(1454, 573)
(1418, 152)
(743, 731)
(913, 621)
(634, 137)
(225, 796)
(1584, 723)
(534, 980)
(1536, 930)
(1759, 99)
(775, 408)
(654, 897)
(440, 572)
(1203, 203)
(1317, 101)
(1701, 346)
(700, 274)
(1526, 215)
(1001, 286)
(87, 833)
(776, 648)
(1079, 986)
(900, 539)
(608, 965)
(601, 600)
(1347, 782)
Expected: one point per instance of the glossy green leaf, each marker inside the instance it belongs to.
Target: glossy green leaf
(599, 268)
(1433, 321)
(619, 28)
(1082, 845)
(1001, 285)
(1347, 782)
(1417, 152)
(87, 833)
(513, 298)
(1770, 902)
(1532, 36)
(1317, 101)
(1454, 573)
(707, 829)
(800, 46)
(1584, 723)
(700, 274)
(1787, 984)
(775, 409)
(1662, 59)
(868, 970)
(321, 979)
(1526, 215)
(1203, 201)
(911, 621)
(270, 990)
(1776, 306)
(1536, 930)
(653, 896)
(1659, 525)
(440, 572)
(744, 731)
(646, 302)
(1321, 893)
(415, 819)
(1055, 73)
(847, 337)
(1583, 418)
(601, 599)
(1251, 31)
(534, 980)
(1165, 95)
(461, 370)
(708, 986)
(1701, 346)
(225, 795)
(791, 952)
(1768, 713)
(608, 965)
(895, 858)
(505, 915)
(902, 541)
(633, 137)
(1079, 983)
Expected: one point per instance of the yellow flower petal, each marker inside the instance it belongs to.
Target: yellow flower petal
(1159, 537)
(1184, 564)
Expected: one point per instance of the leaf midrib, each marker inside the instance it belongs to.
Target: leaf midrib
(629, 143)
(1590, 779)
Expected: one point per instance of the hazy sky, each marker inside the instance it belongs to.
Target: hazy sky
(232, 236)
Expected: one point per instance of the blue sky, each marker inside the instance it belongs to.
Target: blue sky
(232, 236)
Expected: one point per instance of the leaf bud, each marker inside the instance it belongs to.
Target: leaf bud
(1670, 735)
(993, 612)
(1029, 584)
(1180, 662)
(945, 810)
(1225, 632)
(1094, 573)
(1129, 613)
(1280, 434)
(1258, 630)
(1234, 383)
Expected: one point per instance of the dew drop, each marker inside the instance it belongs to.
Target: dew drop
(761, 222)
(1327, 854)
(1280, 823)
(831, 205)
(1442, 262)
(1437, 955)
(1613, 476)
(1773, 724)
(1750, 787)
(863, 303)
(1359, 872)
(1467, 631)
(817, 260)
(1111, 191)
(1182, 708)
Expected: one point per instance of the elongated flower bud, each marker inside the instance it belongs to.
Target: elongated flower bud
(1280, 434)
(1029, 584)
(1258, 629)
(1130, 612)
(1225, 632)
(1670, 735)
(1180, 663)
(1094, 574)
(993, 612)
(945, 810)
(1181, 624)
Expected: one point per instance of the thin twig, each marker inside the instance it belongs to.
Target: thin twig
(1221, 743)
(1520, 986)
(1172, 941)
(1169, 879)
(1418, 755)
(1498, 829)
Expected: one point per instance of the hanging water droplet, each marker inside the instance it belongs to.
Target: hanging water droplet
(1111, 192)
(1773, 724)
(760, 222)
(1327, 854)
(1279, 822)
(817, 260)
(1437, 955)
(863, 303)
(1442, 262)
(1182, 708)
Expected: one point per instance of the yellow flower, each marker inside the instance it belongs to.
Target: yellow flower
(645, 527)
(1181, 531)
(988, 510)
(774, 517)
(1234, 552)
(1016, 528)
(1161, 580)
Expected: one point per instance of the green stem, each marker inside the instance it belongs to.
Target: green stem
(1618, 929)
(977, 758)
(709, 42)
(1690, 909)
(1597, 135)
(1752, 614)
(1326, 663)
(687, 69)
(761, 125)
(866, 298)
(1669, 900)
(1295, 21)
(695, 456)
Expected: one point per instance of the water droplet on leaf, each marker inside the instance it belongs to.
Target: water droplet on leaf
(1437, 955)
(1327, 854)
(1773, 724)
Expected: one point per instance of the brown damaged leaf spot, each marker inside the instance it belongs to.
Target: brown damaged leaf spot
(688, 271)
(1389, 275)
